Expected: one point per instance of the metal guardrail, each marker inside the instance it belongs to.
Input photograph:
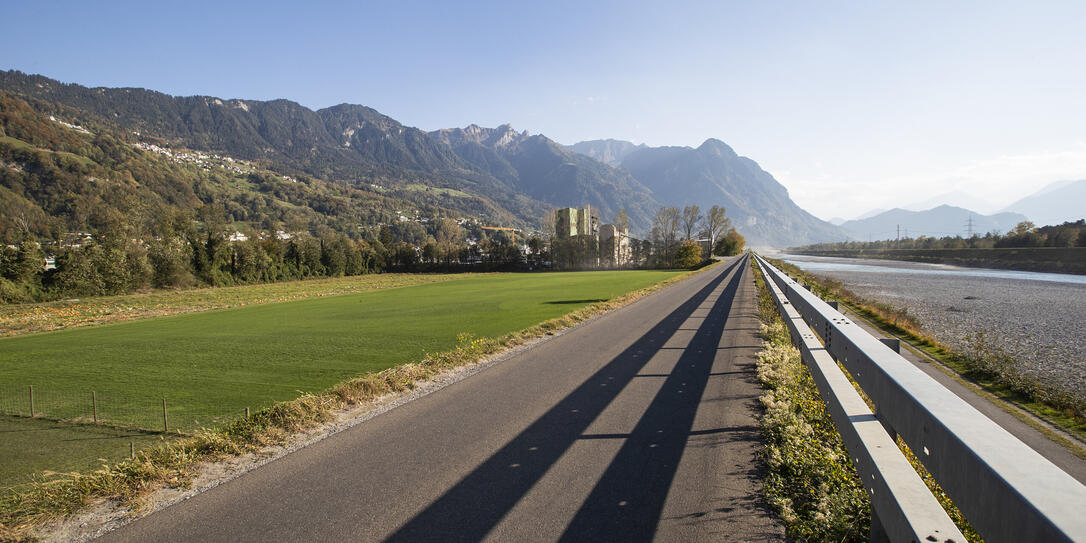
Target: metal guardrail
(1006, 490)
(902, 507)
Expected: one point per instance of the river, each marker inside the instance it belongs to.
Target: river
(1039, 318)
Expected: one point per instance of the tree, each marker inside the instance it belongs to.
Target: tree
(1023, 228)
(171, 260)
(76, 273)
(665, 227)
(688, 254)
(730, 245)
(622, 220)
(691, 220)
(715, 224)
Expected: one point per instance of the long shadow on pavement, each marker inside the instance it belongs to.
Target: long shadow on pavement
(475, 505)
(626, 503)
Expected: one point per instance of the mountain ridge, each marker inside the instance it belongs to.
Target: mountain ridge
(498, 174)
(939, 221)
(1055, 203)
(758, 205)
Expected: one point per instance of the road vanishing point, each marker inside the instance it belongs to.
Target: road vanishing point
(639, 425)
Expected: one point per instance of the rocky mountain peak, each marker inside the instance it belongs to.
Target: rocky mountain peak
(495, 138)
(717, 148)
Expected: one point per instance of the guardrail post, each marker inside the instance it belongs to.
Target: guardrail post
(893, 343)
(94, 406)
(165, 421)
(878, 532)
(31, 401)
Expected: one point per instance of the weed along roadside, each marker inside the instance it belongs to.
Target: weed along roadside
(812, 482)
(991, 371)
(175, 464)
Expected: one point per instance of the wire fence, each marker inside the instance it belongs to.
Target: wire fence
(115, 409)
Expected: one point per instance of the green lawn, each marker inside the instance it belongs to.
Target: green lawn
(213, 364)
(35, 446)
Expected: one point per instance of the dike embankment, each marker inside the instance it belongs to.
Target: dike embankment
(1037, 259)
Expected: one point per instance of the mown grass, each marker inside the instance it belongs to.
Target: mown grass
(20, 319)
(37, 446)
(989, 368)
(224, 361)
(173, 463)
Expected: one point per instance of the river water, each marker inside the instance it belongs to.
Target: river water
(1039, 318)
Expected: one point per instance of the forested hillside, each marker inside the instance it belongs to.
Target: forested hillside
(122, 212)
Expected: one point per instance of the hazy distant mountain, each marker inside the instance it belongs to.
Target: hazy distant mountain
(955, 198)
(608, 151)
(870, 213)
(1057, 203)
(552, 173)
(713, 174)
(838, 221)
(936, 222)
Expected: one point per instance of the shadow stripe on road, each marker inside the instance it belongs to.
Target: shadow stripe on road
(475, 505)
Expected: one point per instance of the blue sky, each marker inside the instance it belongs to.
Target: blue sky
(852, 105)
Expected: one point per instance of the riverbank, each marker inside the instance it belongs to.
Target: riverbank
(1020, 339)
(1038, 259)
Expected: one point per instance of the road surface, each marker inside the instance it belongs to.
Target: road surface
(639, 425)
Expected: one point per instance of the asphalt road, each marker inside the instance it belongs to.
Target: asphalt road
(637, 426)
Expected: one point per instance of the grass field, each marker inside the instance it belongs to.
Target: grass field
(33, 446)
(19, 319)
(213, 364)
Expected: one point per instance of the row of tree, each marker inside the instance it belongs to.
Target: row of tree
(204, 249)
(675, 233)
(1024, 234)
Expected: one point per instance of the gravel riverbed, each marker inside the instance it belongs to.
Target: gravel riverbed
(1040, 319)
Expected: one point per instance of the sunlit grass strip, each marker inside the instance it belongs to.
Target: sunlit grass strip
(811, 483)
(173, 464)
(991, 368)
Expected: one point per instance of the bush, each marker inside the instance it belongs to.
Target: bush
(730, 245)
(688, 255)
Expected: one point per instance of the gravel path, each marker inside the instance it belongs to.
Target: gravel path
(1040, 319)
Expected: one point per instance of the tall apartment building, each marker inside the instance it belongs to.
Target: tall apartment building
(581, 242)
(572, 222)
(615, 248)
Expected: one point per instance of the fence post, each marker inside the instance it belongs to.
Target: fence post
(165, 421)
(246, 412)
(132, 450)
(94, 406)
(31, 401)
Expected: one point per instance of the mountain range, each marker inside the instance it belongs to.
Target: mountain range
(1059, 202)
(759, 206)
(502, 175)
(944, 220)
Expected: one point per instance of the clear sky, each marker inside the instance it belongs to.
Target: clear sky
(851, 105)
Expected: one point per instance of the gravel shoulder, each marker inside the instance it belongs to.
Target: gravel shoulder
(1041, 323)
